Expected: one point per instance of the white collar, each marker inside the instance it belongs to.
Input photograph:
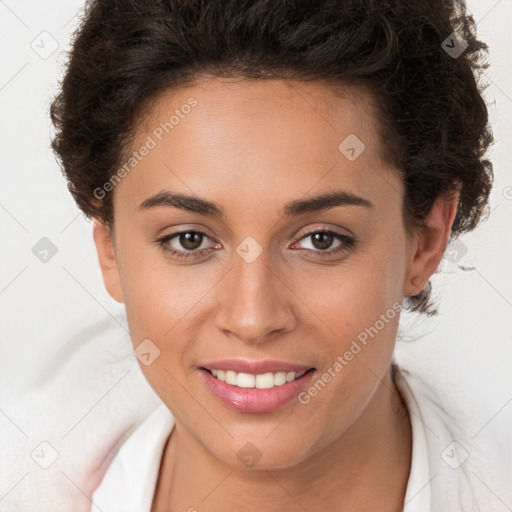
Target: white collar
(418, 493)
(130, 481)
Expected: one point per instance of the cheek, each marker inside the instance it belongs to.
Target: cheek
(358, 305)
(352, 296)
(166, 303)
(359, 311)
(157, 292)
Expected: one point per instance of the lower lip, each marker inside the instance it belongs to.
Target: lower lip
(253, 399)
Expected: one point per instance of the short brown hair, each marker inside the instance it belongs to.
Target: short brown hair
(433, 119)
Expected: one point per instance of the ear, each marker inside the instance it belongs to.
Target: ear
(429, 243)
(107, 259)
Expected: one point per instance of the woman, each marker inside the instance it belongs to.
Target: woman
(269, 183)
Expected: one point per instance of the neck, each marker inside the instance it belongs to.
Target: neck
(365, 469)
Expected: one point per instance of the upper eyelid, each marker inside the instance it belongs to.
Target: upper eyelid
(344, 238)
(336, 233)
(325, 230)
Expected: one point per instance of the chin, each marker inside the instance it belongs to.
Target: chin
(260, 455)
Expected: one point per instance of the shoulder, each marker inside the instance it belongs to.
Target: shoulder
(462, 476)
(130, 479)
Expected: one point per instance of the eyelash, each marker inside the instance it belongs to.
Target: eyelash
(348, 244)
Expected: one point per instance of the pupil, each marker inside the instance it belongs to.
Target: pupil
(322, 240)
(190, 240)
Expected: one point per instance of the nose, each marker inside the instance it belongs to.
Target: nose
(255, 302)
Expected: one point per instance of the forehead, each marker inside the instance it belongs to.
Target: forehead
(243, 108)
(261, 139)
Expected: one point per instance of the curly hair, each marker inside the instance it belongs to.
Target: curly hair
(433, 120)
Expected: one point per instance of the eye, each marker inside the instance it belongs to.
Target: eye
(186, 244)
(327, 242)
(191, 243)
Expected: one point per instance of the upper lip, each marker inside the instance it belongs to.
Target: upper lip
(255, 367)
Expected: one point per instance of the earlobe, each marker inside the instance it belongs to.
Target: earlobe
(429, 245)
(107, 259)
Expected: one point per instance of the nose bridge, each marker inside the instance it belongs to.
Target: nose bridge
(253, 301)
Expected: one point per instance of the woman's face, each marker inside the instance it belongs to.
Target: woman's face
(255, 283)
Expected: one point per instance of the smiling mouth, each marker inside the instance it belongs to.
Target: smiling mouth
(261, 381)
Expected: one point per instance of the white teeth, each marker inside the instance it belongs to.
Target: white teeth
(245, 380)
(261, 381)
(231, 377)
(279, 378)
(265, 381)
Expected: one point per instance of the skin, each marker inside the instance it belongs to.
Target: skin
(251, 147)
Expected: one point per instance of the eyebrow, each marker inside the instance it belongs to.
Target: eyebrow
(300, 206)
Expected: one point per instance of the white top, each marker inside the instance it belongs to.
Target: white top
(130, 480)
